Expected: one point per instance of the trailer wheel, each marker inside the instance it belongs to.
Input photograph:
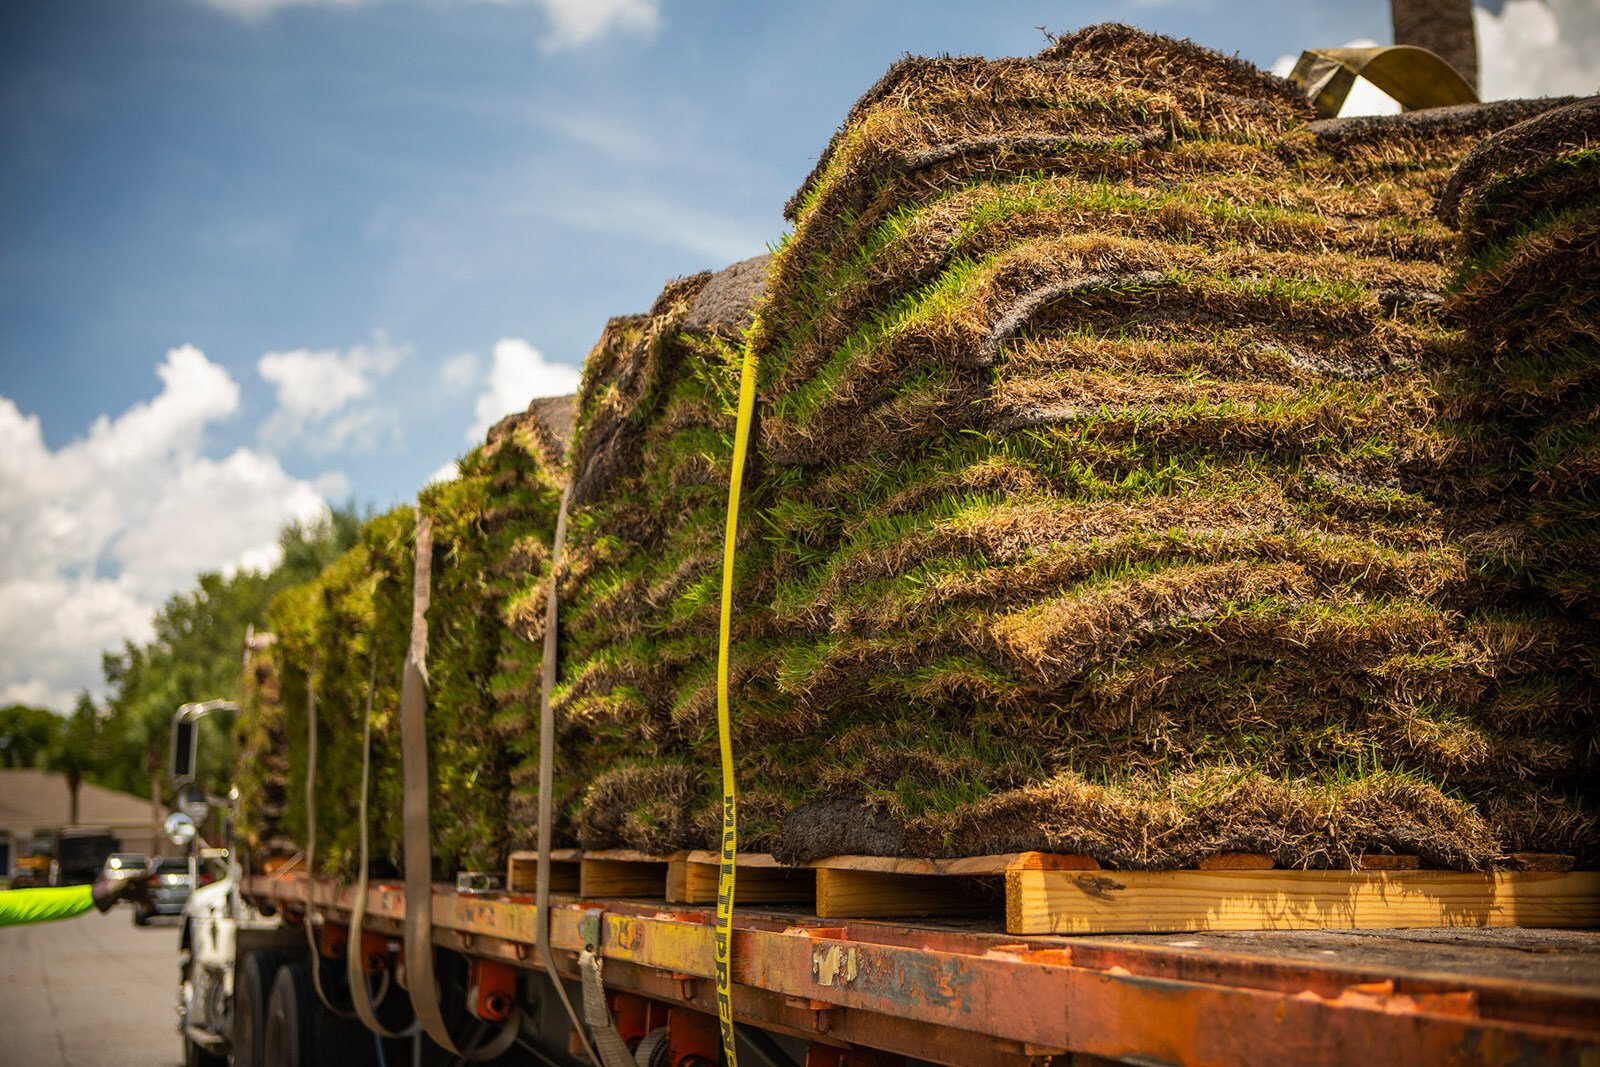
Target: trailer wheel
(296, 1031)
(252, 983)
(290, 1038)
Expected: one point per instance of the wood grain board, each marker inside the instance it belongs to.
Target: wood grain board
(1082, 902)
(522, 871)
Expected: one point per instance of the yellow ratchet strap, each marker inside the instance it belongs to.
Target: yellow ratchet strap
(1413, 76)
(730, 820)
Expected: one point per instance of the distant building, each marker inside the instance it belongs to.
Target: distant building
(35, 800)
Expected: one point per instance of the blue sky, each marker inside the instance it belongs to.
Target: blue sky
(256, 255)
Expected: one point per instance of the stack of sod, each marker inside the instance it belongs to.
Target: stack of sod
(649, 469)
(261, 754)
(1527, 293)
(346, 634)
(1099, 502)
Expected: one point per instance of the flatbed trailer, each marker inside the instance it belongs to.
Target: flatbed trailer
(855, 992)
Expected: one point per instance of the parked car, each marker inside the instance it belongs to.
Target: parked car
(169, 890)
(123, 865)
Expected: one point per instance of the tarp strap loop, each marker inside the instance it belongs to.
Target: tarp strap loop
(315, 961)
(1413, 76)
(547, 774)
(355, 962)
(421, 980)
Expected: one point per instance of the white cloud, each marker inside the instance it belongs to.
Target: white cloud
(256, 10)
(459, 373)
(519, 374)
(445, 473)
(574, 23)
(1535, 48)
(643, 216)
(95, 535)
(325, 396)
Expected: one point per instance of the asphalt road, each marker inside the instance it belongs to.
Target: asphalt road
(90, 990)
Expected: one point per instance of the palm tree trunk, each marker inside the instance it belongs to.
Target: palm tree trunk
(155, 811)
(1443, 27)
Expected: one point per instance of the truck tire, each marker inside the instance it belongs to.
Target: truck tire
(252, 983)
(290, 1035)
(296, 1031)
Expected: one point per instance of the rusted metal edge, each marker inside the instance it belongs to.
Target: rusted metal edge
(868, 979)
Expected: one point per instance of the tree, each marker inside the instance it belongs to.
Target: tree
(76, 751)
(26, 734)
(196, 655)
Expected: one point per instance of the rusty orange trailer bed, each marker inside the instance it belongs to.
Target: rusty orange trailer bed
(960, 993)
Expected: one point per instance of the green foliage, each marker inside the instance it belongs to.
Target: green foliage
(195, 655)
(26, 734)
(79, 749)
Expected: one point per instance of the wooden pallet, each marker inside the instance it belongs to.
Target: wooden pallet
(1044, 893)
(618, 873)
(1083, 902)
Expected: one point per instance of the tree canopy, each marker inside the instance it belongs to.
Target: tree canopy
(26, 733)
(196, 655)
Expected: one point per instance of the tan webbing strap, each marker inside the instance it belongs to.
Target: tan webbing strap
(311, 835)
(355, 961)
(1415, 77)
(423, 983)
(547, 774)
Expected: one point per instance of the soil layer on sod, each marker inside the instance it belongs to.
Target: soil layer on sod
(1142, 469)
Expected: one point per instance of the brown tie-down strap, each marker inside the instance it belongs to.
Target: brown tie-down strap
(422, 982)
(355, 956)
(547, 774)
(311, 836)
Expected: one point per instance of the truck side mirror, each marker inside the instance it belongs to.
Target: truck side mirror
(185, 734)
(180, 828)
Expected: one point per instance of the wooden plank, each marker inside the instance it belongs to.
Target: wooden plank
(622, 878)
(522, 871)
(844, 893)
(1542, 861)
(1067, 902)
(678, 878)
(910, 865)
(697, 884)
(1237, 861)
(1382, 861)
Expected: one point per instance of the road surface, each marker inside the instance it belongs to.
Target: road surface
(90, 990)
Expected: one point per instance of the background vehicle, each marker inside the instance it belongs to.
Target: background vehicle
(120, 864)
(72, 855)
(170, 887)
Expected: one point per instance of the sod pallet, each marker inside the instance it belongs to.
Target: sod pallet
(1101, 501)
